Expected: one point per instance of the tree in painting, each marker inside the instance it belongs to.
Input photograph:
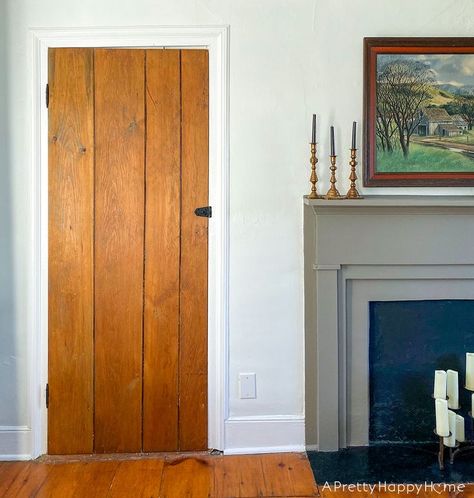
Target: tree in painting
(403, 89)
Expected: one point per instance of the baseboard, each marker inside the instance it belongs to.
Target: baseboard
(312, 447)
(15, 442)
(267, 434)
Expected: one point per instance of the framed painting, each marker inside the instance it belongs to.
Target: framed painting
(419, 111)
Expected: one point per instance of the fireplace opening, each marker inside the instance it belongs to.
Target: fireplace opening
(408, 341)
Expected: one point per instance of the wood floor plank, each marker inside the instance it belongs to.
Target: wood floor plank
(162, 251)
(119, 244)
(61, 481)
(78, 480)
(288, 473)
(194, 250)
(187, 477)
(29, 480)
(8, 473)
(95, 479)
(71, 213)
(239, 477)
(468, 491)
(137, 478)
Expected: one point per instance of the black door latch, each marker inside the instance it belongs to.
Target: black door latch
(204, 212)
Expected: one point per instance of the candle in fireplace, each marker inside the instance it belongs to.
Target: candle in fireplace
(452, 389)
(313, 136)
(470, 371)
(442, 419)
(450, 441)
(440, 384)
(333, 146)
(354, 127)
(460, 434)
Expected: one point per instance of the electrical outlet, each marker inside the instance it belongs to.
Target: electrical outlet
(248, 386)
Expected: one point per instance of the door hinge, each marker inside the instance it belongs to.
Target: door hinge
(47, 95)
(205, 212)
(47, 395)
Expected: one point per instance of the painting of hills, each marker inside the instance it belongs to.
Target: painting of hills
(425, 113)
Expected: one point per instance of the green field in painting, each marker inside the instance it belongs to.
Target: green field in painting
(423, 159)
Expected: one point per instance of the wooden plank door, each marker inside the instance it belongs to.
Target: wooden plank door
(128, 257)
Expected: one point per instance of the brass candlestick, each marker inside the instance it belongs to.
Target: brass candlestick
(314, 177)
(353, 193)
(333, 192)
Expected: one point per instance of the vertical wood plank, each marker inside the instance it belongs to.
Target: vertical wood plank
(71, 200)
(194, 250)
(162, 251)
(119, 235)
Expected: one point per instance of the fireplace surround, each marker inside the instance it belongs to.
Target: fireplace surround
(381, 248)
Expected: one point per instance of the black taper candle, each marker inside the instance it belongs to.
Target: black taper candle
(354, 127)
(333, 147)
(313, 137)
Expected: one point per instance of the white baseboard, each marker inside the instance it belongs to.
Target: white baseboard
(243, 435)
(15, 442)
(312, 447)
(266, 434)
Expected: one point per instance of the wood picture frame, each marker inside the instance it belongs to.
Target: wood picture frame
(419, 112)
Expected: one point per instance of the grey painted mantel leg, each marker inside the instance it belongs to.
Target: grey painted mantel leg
(327, 356)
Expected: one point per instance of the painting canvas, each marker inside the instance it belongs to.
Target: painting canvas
(419, 112)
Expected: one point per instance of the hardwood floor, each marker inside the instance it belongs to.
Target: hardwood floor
(283, 475)
(195, 476)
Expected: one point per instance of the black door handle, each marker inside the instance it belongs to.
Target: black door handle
(204, 212)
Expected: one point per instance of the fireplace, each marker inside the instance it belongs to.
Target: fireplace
(370, 265)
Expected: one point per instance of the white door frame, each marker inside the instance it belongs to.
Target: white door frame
(216, 40)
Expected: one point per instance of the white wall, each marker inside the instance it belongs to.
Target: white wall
(288, 58)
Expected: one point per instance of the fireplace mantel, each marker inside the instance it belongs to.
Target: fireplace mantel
(379, 247)
(393, 201)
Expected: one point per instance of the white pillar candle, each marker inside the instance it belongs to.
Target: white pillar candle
(442, 419)
(440, 384)
(451, 440)
(460, 436)
(452, 389)
(470, 371)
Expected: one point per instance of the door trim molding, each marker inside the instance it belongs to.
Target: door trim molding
(216, 40)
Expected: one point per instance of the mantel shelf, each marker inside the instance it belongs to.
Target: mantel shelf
(398, 201)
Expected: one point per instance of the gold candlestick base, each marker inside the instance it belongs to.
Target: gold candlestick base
(333, 193)
(353, 193)
(313, 178)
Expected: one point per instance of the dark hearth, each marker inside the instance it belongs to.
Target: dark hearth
(388, 463)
